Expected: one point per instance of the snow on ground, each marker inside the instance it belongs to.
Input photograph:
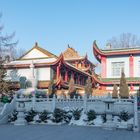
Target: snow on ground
(63, 132)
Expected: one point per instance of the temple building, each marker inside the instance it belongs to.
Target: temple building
(112, 62)
(45, 66)
(80, 62)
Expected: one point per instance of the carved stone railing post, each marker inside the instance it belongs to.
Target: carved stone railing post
(136, 123)
(33, 102)
(53, 102)
(85, 103)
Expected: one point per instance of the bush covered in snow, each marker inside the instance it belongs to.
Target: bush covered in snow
(124, 115)
(104, 118)
(44, 116)
(91, 115)
(58, 115)
(67, 115)
(13, 116)
(30, 115)
(76, 113)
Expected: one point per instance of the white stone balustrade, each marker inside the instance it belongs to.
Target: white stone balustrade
(93, 102)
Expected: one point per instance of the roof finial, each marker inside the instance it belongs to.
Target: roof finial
(68, 46)
(36, 44)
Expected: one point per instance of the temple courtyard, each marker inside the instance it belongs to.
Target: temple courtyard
(63, 132)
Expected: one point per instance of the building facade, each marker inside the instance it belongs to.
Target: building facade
(45, 66)
(113, 62)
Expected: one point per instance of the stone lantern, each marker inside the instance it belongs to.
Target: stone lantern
(21, 111)
(109, 107)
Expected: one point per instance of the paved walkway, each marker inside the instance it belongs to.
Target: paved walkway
(64, 132)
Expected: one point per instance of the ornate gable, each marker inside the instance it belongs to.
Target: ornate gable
(37, 53)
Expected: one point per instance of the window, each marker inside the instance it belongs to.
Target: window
(117, 68)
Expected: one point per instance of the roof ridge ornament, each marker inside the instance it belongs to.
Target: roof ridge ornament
(36, 44)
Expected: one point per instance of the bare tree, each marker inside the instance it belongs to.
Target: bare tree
(125, 40)
(19, 52)
(7, 46)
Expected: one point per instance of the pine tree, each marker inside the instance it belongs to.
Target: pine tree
(124, 91)
(115, 91)
(72, 89)
(4, 86)
(88, 87)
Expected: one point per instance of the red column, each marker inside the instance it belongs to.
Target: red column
(78, 79)
(66, 75)
(103, 67)
(132, 87)
(131, 66)
(72, 75)
(58, 72)
(83, 81)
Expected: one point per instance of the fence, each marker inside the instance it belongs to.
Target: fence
(95, 103)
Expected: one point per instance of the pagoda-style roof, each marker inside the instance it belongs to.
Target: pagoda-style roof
(112, 81)
(98, 53)
(70, 55)
(43, 63)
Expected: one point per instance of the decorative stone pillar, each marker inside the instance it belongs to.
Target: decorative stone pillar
(85, 102)
(33, 80)
(53, 102)
(21, 110)
(33, 102)
(136, 123)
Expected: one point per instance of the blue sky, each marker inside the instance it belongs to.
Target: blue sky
(56, 23)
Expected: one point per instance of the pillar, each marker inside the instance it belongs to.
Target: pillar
(58, 71)
(72, 75)
(131, 66)
(32, 75)
(136, 123)
(103, 67)
(66, 75)
(79, 79)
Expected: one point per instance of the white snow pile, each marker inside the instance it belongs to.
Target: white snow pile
(81, 121)
(123, 124)
(98, 121)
